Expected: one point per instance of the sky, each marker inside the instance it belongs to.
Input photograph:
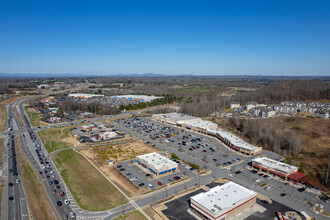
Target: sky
(232, 37)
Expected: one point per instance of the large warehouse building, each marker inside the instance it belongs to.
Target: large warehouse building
(222, 202)
(273, 166)
(157, 163)
(207, 127)
(84, 95)
(140, 98)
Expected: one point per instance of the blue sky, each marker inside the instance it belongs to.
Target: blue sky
(168, 37)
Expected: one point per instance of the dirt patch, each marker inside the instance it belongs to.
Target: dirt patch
(123, 152)
(35, 192)
(8, 101)
(151, 213)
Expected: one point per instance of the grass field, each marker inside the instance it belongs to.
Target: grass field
(53, 138)
(34, 187)
(91, 190)
(133, 215)
(34, 116)
(3, 118)
(193, 89)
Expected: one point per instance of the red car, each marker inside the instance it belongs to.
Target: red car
(204, 150)
(194, 148)
(260, 174)
(159, 183)
(61, 193)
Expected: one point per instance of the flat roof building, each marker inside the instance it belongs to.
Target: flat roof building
(84, 95)
(209, 128)
(157, 163)
(175, 118)
(223, 202)
(273, 166)
(141, 98)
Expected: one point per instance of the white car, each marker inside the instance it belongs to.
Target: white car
(229, 174)
(256, 180)
(268, 177)
(17, 181)
(227, 168)
(66, 202)
(267, 188)
(72, 215)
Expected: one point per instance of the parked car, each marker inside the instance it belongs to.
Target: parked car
(159, 183)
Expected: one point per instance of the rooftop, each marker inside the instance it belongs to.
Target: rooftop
(276, 165)
(234, 139)
(174, 116)
(223, 197)
(201, 124)
(157, 161)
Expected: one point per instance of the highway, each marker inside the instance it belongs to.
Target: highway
(17, 205)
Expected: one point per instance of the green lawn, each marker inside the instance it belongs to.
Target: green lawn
(90, 188)
(52, 138)
(133, 215)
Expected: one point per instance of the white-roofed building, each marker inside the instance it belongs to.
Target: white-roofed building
(273, 166)
(175, 118)
(157, 163)
(141, 98)
(84, 95)
(234, 142)
(209, 128)
(223, 202)
(107, 135)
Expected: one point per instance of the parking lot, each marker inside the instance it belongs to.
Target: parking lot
(198, 147)
(144, 178)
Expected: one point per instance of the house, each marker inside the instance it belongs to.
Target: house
(251, 105)
(322, 113)
(234, 105)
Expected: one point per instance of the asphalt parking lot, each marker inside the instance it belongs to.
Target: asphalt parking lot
(271, 209)
(177, 209)
(197, 146)
(138, 176)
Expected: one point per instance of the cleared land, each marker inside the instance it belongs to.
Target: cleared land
(133, 215)
(34, 116)
(34, 188)
(56, 138)
(3, 118)
(91, 190)
(99, 157)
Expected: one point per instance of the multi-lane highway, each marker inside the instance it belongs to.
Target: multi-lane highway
(17, 205)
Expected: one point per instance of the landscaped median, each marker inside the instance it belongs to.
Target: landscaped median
(90, 189)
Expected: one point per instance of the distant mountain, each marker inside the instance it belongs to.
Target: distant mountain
(34, 75)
